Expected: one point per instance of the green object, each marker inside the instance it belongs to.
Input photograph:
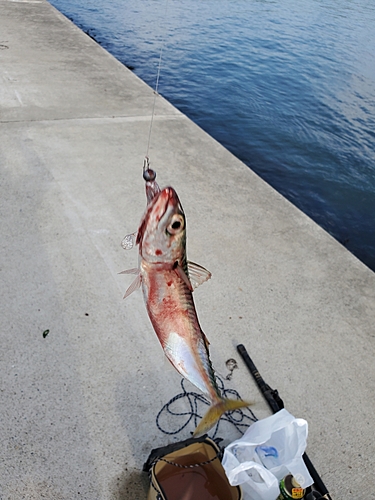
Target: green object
(290, 489)
(45, 333)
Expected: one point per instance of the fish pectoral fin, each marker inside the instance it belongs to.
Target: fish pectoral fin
(181, 273)
(133, 270)
(216, 411)
(134, 286)
(197, 274)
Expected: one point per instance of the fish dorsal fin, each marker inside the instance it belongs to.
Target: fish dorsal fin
(197, 274)
(135, 285)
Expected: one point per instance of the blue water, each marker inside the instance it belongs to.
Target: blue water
(287, 86)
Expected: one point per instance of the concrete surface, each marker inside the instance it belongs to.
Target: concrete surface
(78, 407)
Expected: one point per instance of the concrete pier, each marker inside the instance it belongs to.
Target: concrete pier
(78, 405)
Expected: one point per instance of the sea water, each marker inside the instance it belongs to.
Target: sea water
(288, 87)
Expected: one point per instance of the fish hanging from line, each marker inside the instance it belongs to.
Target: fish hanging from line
(166, 280)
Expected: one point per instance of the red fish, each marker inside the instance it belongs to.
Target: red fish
(166, 280)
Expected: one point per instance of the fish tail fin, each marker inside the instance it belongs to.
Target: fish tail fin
(215, 412)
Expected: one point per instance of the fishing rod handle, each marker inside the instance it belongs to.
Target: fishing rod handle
(271, 396)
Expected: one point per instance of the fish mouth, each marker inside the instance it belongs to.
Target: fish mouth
(159, 209)
(170, 203)
(167, 192)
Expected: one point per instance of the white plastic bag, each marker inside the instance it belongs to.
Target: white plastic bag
(257, 483)
(270, 449)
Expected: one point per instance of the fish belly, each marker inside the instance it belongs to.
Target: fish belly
(171, 310)
(180, 354)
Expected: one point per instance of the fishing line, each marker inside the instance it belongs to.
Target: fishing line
(156, 87)
(240, 419)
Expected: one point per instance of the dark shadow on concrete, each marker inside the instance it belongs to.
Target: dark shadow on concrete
(129, 484)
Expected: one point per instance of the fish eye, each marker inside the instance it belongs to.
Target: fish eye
(176, 225)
